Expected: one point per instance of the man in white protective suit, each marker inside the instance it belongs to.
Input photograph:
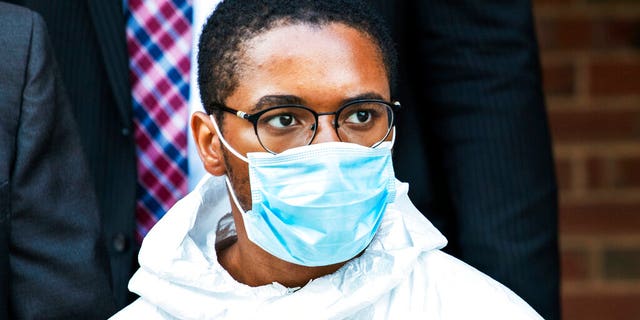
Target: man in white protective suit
(308, 220)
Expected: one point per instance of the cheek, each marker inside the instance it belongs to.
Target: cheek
(238, 173)
(241, 135)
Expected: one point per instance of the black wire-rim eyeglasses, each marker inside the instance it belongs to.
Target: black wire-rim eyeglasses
(367, 122)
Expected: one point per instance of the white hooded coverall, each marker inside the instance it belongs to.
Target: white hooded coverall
(401, 275)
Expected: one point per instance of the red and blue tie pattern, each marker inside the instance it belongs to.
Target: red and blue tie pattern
(159, 45)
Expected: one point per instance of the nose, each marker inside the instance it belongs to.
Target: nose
(326, 132)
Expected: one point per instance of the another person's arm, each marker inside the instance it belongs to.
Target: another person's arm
(58, 267)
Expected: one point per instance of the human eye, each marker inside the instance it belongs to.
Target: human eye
(359, 117)
(362, 114)
(281, 120)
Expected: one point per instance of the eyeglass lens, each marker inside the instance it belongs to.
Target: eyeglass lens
(364, 123)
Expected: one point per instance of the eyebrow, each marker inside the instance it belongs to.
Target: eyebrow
(363, 96)
(275, 100)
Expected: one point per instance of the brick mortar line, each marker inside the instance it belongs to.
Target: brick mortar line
(556, 56)
(590, 197)
(619, 148)
(572, 242)
(587, 11)
(571, 104)
(582, 287)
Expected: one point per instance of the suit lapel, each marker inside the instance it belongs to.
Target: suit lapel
(108, 20)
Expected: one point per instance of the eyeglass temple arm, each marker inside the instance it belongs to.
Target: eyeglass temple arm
(238, 113)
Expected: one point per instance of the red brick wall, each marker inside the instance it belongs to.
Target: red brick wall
(590, 53)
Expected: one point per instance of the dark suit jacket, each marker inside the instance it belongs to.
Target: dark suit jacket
(52, 263)
(473, 139)
(90, 45)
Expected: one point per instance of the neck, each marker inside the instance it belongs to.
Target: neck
(249, 264)
(261, 269)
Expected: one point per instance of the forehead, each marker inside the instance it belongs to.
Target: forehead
(307, 60)
(304, 38)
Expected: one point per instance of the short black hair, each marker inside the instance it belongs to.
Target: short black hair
(234, 22)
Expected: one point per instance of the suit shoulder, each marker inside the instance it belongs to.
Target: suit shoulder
(23, 38)
(8, 10)
(14, 17)
(18, 26)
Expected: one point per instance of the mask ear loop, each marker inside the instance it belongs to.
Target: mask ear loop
(235, 153)
(388, 144)
(393, 137)
(224, 141)
(233, 195)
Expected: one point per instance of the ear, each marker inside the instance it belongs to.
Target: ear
(207, 143)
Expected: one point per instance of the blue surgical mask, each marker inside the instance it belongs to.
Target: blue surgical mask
(319, 204)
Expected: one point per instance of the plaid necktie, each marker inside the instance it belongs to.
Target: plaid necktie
(159, 45)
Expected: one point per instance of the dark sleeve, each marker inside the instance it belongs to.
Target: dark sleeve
(58, 265)
(473, 71)
(89, 41)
